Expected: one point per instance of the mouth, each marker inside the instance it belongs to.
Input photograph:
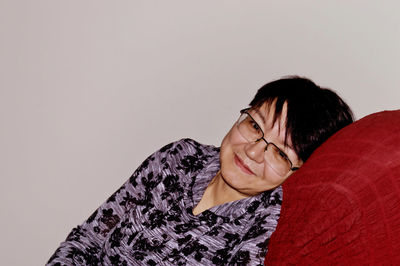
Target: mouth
(243, 166)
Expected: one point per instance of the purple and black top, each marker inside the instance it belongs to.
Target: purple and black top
(149, 220)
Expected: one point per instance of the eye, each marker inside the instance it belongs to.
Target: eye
(282, 155)
(255, 125)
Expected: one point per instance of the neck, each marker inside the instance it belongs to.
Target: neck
(217, 192)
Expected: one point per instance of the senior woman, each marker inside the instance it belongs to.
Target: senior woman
(191, 204)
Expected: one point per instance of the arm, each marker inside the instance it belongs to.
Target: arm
(84, 243)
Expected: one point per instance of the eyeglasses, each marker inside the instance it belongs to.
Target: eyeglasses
(273, 156)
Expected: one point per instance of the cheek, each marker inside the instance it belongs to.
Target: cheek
(233, 137)
(272, 179)
(227, 150)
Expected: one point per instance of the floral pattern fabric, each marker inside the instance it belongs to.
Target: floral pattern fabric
(149, 220)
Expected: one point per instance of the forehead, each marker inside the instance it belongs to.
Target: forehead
(270, 116)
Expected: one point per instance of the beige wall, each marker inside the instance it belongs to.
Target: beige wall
(88, 89)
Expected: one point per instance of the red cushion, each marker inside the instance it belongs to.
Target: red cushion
(343, 206)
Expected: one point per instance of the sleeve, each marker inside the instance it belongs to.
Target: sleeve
(254, 245)
(252, 252)
(84, 243)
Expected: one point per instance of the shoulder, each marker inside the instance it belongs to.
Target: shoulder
(174, 153)
(188, 146)
(188, 155)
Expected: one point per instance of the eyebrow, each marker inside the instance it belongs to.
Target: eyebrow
(261, 115)
(264, 122)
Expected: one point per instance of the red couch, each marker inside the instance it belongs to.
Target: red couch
(343, 206)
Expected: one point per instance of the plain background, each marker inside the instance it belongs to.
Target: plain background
(88, 89)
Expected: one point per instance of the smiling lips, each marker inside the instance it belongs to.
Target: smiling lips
(243, 166)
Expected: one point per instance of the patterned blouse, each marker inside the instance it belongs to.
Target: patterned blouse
(149, 220)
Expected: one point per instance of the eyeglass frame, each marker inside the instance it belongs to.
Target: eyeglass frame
(245, 111)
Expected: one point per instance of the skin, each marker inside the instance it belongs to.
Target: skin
(244, 171)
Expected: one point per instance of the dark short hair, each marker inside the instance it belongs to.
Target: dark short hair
(313, 113)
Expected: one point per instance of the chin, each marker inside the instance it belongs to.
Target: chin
(231, 177)
(237, 181)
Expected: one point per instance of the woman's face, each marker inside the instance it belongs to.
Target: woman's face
(243, 166)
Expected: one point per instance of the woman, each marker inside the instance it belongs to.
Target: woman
(191, 204)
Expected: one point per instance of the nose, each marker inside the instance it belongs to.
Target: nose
(255, 151)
